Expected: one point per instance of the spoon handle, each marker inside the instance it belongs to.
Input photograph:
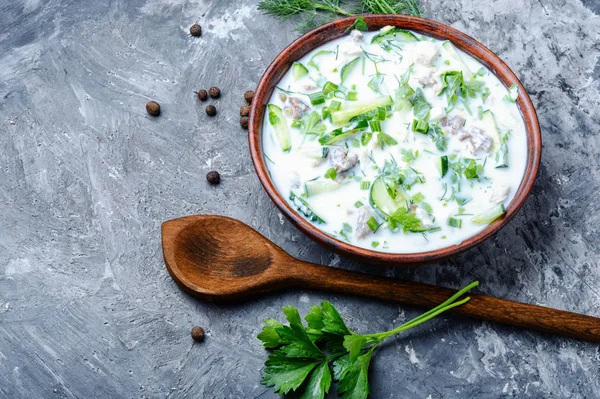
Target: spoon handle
(481, 307)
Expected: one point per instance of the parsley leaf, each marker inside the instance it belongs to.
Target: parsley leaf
(408, 221)
(384, 138)
(331, 174)
(421, 107)
(303, 357)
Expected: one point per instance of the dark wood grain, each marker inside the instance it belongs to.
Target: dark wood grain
(219, 258)
(338, 28)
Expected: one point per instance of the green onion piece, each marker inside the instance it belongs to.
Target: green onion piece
(352, 96)
(418, 197)
(335, 105)
(454, 222)
(375, 126)
(420, 126)
(373, 224)
(297, 123)
(375, 244)
(365, 185)
(380, 114)
(358, 204)
(325, 113)
(365, 138)
(317, 98)
(329, 87)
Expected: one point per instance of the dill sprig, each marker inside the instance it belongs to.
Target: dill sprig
(318, 12)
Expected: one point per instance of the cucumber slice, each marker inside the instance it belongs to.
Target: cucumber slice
(299, 71)
(451, 50)
(350, 110)
(500, 148)
(442, 165)
(282, 132)
(315, 187)
(400, 35)
(348, 68)
(380, 199)
(303, 207)
(490, 215)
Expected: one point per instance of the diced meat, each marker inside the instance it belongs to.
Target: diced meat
(341, 162)
(362, 228)
(310, 87)
(452, 125)
(428, 51)
(298, 107)
(422, 215)
(476, 139)
(356, 35)
(499, 193)
(428, 79)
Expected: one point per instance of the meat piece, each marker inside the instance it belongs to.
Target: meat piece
(356, 35)
(428, 79)
(476, 139)
(298, 107)
(341, 162)
(310, 87)
(452, 125)
(362, 228)
(499, 193)
(428, 52)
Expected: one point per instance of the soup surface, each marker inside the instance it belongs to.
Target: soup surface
(394, 141)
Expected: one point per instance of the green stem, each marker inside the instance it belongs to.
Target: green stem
(337, 10)
(444, 306)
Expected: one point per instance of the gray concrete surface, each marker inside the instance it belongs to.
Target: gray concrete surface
(87, 309)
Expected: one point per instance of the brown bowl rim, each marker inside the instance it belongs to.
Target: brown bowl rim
(338, 28)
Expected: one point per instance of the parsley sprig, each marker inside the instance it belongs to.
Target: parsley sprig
(303, 357)
(318, 12)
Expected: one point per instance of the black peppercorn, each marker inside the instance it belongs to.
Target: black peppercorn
(202, 95)
(211, 110)
(249, 96)
(245, 110)
(153, 108)
(213, 177)
(196, 30)
(214, 92)
(244, 122)
(198, 333)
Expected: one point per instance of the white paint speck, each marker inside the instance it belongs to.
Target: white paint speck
(18, 266)
(304, 298)
(228, 23)
(412, 355)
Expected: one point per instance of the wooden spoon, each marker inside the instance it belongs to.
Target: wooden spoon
(219, 258)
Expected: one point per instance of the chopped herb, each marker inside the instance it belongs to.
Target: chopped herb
(418, 197)
(375, 244)
(358, 204)
(352, 96)
(513, 93)
(335, 105)
(331, 174)
(365, 185)
(409, 155)
(348, 68)
(420, 105)
(365, 138)
(375, 126)
(384, 139)
(453, 222)
(317, 98)
(420, 126)
(406, 220)
(373, 224)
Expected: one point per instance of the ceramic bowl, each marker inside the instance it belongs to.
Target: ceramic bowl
(338, 28)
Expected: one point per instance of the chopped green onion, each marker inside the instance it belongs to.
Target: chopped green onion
(373, 224)
(317, 98)
(330, 87)
(297, 123)
(380, 114)
(453, 222)
(335, 105)
(420, 126)
(352, 96)
(358, 204)
(375, 244)
(365, 185)
(375, 126)
(418, 197)
(365, 138)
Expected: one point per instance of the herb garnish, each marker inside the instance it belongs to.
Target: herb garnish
(303, 356)
(319, 12)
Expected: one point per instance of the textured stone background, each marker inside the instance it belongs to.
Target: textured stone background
(87, 308)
